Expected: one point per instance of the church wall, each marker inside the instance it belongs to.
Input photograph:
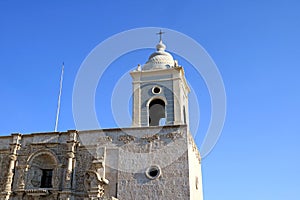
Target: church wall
(129, 152)
(169, 156)
(108, 163)
(172, 184)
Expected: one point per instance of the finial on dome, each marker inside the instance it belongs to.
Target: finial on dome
(160, 46)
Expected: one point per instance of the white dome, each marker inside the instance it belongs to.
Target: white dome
(159, 59)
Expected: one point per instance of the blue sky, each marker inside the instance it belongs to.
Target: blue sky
(255, 45)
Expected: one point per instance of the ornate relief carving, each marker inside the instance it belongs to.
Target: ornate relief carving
(126, 138)
(36, 177)
(151, 138)
(21, 181)
(106, 139)
(9, 178)
(3, 171)
(36, 193)
(94, 178)
(56, 181)
(41, 161)
(174, 135)
(68, 175)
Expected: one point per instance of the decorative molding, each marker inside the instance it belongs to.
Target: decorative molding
(37, 192)
(70, 155)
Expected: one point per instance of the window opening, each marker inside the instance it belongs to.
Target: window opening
(46, 181)
(156, 112)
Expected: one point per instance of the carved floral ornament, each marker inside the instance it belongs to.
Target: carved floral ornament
(151, 138)
(174, 135)
(105, 139)
(126, 138)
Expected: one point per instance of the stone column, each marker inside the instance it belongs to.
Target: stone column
(14, 146)
(70, 156)
(72, 144)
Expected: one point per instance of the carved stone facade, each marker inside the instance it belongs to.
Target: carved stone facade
(157, 158)
(74, 165)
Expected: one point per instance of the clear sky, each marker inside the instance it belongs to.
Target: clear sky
(255, 45)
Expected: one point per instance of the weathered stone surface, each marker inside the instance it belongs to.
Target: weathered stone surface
(103, 167)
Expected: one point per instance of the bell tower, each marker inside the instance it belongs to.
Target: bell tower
(160, 91)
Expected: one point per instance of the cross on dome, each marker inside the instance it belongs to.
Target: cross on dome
(160, 46)
(160, 35)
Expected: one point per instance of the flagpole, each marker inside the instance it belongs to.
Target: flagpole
(59, 97)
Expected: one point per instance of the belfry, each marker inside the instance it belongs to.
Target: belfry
(160, 91)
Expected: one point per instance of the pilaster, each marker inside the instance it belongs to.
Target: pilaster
(70, 155)
(14, 147)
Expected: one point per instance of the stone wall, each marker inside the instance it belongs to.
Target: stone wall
(129, 163)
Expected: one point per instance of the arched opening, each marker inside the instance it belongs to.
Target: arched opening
(41, 170)
(157, 114)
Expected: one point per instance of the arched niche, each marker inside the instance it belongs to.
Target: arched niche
(42, 170)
